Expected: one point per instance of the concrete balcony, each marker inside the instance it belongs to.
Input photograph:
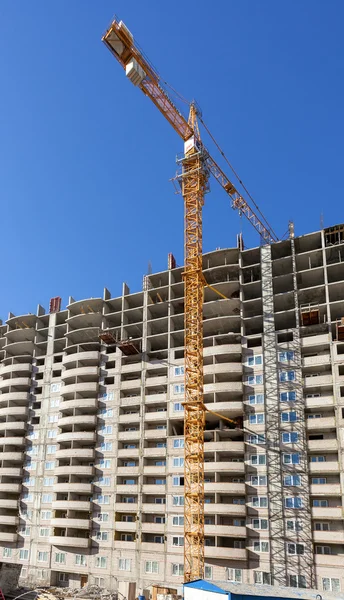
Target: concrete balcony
(91, 404)
(133, 418)
(223, 349)
(123, 488)
(127, 507)
(159, 380)
(16, 368)
(332, 560)
(75, 470)
(131, 368)
(8, 537)
(322, 359)
(77, 488)
(128, 452)
(128, 436)
(320, 402)
(311, 382)
(323, 467)
(154, 452)
(227, 553)
(10, 504)
(84, 420)
(130, 401)
(154, 398)
(228, 367)
(81, 453)
(11, 472)
(128, 471)
(81, 505)
(229, 408)
(125, 526)
(132, 383)
(235, 447)
(153, 508)
(225, 509)
(72, 523)
(156, 416)
(153, 470)
(89, 387)
(77, 436)
(327, 512)
(156, 549)
(321, 423)
(328, 537)
(154, 434)
(330, 489)
(120, 545)
(314, 340)
(20, 347)
(225, 386)
(15, 382)
(322, 445)
(14, 411)
(80, 372)
(9, 520)
(11, 488)
(74, 542)
(226, 488)
(227, 467)
(92, 356)
(13, 426)
(14, 397)
(152, 488)
(225, 530)
(16, 441)
(12, 456)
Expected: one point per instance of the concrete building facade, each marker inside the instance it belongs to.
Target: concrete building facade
(91, 432)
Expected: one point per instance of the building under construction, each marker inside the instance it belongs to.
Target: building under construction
(92, 425)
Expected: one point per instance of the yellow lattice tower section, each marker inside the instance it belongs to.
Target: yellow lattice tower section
(194, 183)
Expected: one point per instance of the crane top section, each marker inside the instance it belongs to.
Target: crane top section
(120, 41)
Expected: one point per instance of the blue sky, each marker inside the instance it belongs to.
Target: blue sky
(85, 159)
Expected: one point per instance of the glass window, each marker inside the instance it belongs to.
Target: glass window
(288, 396)
(298, 581)
(294, 525)
(319, 480)
(80, 559)
(208, 572)
(178, 540)
(320, 503)
(292, 480)
(51, 449)
(322, 550)
(258, 459)
(7, 552)
(287, 376)
(259, 546)
(101, 562)
(258, 480)
(234, 575)
(256, 418)
(124, 564)
(151, 566)
(178, 443)
(256, 438)
(295, 548)
(254, 379)
(262, 578)
(331, 584)
(260, 523)
(289, 417)
(178, 407)
(177, 569)
(178, 388)
(290, 437)
(293, 502)
(291, 459)
(178, 371)
(259, 501)
(256, 399)
(286, 356)
(255, 360)
(178, 461)
(178, 520)
(42, 556)
(24, 554)
(178, 500)
(46, 498)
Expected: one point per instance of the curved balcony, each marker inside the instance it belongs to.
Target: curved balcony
(81, 505)
(77, 436)
(15, 382)
(72, 523)
(80, 372)
(82, 453)
(14, 397)
(84, 357)
(8, 537)
(84, 420)
(223, 349)
(13, 426)
(73, 470)
(10, 488)
(74, 542)
(16, 368)
(86, 387)
(19, 347)
(9, 520)
(10, 504)
(14, 411)
(12, 441)
(77, 488)
(11, 472)
(27, 334)
(224, 386)
(90, 404)
(12, 456)
(82, 334)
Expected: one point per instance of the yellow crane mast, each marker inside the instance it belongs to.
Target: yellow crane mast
(197, 165)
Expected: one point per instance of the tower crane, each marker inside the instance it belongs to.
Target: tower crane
(197, 166)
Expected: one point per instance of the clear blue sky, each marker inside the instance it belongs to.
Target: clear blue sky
(85, 159)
